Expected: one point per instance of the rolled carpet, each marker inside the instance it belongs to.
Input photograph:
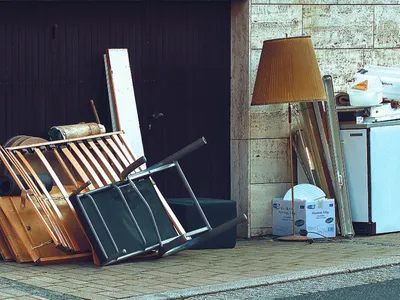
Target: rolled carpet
(342, 99)
(8, 186)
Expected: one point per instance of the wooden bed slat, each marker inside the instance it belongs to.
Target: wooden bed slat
(110, 156)
(65, 167)
(77, 167)
(87, 165)
(121, 146)
(95, 163)
(104, 161)
(118, 152)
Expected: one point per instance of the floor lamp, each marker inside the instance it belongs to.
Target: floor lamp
(288, 73)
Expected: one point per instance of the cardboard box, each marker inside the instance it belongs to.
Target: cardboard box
(314, 216)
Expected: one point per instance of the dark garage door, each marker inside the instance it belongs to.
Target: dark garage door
(51, 66)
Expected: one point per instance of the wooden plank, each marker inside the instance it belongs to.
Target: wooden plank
(65, 167)
(104, 161)
(73, 258)
(178, 226)
(110, 156)
(121, 146)
(5, 251)
(20, 228)
(77, 167)
(95, 162)
(117, 152)
(64, 141)
(87, 165)
(18, 248)
(123, 98)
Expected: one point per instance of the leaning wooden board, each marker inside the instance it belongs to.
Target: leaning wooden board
(123, 108)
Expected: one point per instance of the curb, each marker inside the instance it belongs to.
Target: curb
(270, 280)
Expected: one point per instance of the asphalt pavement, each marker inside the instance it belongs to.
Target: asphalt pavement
(380, 283)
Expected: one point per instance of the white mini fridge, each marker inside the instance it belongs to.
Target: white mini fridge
(372, 161)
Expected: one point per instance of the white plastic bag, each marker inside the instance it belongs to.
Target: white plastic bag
(365, 91)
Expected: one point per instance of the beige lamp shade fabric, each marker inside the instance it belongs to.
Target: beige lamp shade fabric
(288, 72)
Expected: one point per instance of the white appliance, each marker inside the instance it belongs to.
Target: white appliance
(372, 161)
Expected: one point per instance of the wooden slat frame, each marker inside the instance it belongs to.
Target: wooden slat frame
(53, 210)
(56, 235)
(51, 172)
(121, 146)
(60, 142)
(77, 167)
(104, 161)
(65, 167)
(110, 156)
(46, 206)
(94, 162)
(87, 165)
(60, 186)
(117, 151)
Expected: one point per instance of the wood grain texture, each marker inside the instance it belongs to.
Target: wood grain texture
(14, 242)
(5, 252)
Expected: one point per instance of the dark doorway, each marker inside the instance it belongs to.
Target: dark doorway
(51, 65)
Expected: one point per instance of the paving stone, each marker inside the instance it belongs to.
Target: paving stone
(250, 259)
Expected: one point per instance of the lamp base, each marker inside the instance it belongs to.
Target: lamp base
(294, 238)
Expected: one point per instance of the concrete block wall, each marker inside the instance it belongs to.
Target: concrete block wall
(347, 34)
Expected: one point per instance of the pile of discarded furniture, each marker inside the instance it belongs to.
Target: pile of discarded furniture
(89, 197)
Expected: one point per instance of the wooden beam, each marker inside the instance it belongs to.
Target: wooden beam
(64, 141)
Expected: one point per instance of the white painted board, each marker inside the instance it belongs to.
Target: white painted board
(123, 99)
(354, 145)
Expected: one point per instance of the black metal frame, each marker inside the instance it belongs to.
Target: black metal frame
(164, 247)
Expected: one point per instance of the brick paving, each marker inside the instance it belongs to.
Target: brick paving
(188, 269)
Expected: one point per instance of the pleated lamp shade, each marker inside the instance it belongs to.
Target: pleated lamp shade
(288, 72)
